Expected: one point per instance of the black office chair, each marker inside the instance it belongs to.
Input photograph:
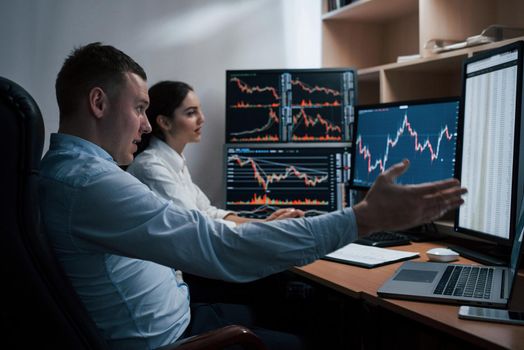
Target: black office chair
(39, 305)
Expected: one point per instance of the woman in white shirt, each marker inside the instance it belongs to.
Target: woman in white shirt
(176, 119)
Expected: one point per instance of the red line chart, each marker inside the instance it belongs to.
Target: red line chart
(316, 88)
(272, 119)
(302, 118)
(247, 89)
(264, 180)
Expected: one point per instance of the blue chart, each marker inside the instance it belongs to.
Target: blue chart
(423, 133)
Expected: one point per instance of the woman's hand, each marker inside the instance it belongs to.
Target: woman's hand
(285, 213)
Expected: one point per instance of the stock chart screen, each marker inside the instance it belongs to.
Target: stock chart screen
(312, 105)
(262, 179)
(424, 132)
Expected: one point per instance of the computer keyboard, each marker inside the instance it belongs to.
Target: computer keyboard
(384, 239)
(466, 281)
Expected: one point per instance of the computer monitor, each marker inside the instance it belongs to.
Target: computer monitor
(423, 131)
(291, 105)
(490, 150)
(260, 179)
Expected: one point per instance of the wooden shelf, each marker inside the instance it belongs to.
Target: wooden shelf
(372, 10)
(369, 35)
(434, 76)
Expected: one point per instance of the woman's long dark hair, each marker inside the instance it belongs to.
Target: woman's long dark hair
(164, 98)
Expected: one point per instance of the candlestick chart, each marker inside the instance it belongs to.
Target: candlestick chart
(422, 132)
(264, 178)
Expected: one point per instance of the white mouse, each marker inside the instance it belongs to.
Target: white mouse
(442, 254)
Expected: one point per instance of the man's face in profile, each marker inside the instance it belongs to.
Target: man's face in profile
(126, 119)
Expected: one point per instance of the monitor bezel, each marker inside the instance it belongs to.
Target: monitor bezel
(517, 158)
(358, 108)
(229, 72)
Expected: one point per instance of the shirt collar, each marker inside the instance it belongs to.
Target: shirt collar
(78, 144)
(173, 158)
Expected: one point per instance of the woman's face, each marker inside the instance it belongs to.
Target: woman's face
(188, 120)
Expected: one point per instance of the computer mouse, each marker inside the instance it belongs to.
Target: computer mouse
(442, 255)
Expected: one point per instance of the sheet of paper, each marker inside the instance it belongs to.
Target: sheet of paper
(369, 256)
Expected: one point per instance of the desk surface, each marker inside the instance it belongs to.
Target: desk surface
(362, 283)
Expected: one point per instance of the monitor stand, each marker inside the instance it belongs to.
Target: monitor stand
(478, 256)
(424, 233)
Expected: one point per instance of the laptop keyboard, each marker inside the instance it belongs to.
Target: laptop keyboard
(466, 281)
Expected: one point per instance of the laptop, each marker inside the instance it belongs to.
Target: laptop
(438, 282)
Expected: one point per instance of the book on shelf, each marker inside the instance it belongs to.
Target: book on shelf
(490, 34)
(336, 4)
(407, 58)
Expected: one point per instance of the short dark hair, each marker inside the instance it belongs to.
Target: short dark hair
(164, 98)
(90, 66)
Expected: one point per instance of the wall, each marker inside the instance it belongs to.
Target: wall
(190, 40)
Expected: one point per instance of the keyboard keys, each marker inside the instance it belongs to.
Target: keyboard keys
(453, 280)
(466, 281)
(444, 280)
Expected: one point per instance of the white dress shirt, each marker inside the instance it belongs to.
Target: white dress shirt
(165, 172)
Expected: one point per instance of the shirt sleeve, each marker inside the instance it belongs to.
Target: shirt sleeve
(134, 222)
(203, 203)
(160, 180)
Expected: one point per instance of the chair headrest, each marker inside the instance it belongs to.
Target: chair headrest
(21, 116)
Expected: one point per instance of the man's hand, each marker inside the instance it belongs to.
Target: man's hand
(389, 206)
(285, 213)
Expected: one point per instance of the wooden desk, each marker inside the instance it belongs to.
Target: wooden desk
(362, 283)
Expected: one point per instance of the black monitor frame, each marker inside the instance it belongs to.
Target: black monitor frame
(518, 148)
(277, 113)
(411, 103)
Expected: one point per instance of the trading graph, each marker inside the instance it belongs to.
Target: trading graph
(253, 104)
(315, 127)
(312, 105)
(424, 133)
(257, 90)
(262, 179)
(317, 101)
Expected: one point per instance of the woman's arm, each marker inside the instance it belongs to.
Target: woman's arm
(285, 213)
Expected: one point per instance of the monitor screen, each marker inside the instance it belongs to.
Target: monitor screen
(424, 132)
(260, 179)
(516, 250)
(294, 105)
(489, 151)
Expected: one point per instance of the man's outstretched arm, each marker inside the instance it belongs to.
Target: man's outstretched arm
(389, 206)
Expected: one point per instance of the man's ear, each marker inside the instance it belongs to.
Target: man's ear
(97, 102)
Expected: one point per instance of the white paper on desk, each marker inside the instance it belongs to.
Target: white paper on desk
(369, 256)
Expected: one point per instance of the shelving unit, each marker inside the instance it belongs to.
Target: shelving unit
(369, 35)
